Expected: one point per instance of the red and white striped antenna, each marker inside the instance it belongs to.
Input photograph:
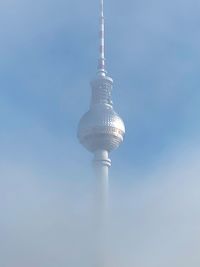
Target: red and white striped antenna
(101, 62)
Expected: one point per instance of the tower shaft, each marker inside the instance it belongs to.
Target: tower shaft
(101, 169)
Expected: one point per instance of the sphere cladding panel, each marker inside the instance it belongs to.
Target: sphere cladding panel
(101, 128)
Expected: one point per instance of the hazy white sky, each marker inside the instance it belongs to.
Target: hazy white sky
(48, 53)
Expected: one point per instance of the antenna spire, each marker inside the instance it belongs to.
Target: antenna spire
(101, 62)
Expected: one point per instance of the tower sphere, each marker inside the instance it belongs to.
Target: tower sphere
(101, 128)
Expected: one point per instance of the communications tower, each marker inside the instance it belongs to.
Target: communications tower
(101, 129)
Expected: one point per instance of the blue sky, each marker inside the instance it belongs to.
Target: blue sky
(48, 54)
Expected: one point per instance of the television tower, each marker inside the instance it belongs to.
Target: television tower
(101, 130)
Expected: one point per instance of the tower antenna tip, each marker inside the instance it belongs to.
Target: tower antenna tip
(101, 61)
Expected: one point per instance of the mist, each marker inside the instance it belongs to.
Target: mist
(154, 219)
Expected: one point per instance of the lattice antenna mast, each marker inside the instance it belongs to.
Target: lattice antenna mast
(101, 62)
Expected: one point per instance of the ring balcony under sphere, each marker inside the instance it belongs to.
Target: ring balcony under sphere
(101, 128)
